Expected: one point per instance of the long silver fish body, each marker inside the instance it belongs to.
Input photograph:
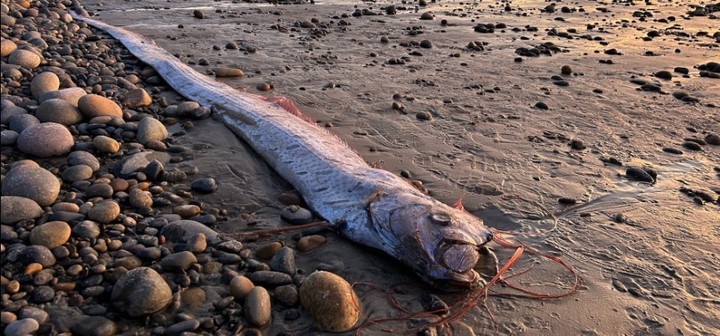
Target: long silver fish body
(370, 206)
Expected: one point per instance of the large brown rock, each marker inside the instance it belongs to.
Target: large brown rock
(51, 234)
(331, 301)
(141, 291)
(25, 58)
(44, 82)
(93, 105)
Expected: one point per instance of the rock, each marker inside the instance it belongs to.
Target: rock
(427, 44)
(70, 95)
(182, 230)
(37, 254)
(25, 58)
(34, 313)
(92, 105)
(22, 327)
(141, 291)
(140, 160)
(330, 300)
(269, 278)
(50, 234)
(240, 286)
(8, 137)
(7, 46)
(106, 144)
(104, 212)
(86, 230)
(182, 327)
(10, 112)
(179, 261)
(93, 326)
(287, 295)
(311, 242)
(45, 140)
(228, 72)
(426, 16)
(712, 139)
(44, 82)
(257, 307)
(204, 185)
(99, 190)
(20, 122)
(151, 129)
(77, 173)
(268, 250)
(136, 98)
(83, 158)
(197, 243)
(15, 208)
(639, 174)
(43, 294)
(58, 111)
(140, 198)
(296, 215)
(691, 145)
(187, 210)
(284, 261)
(32, 182)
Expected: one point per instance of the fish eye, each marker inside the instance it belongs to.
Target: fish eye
(441, 218)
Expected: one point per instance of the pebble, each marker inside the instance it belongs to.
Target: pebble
(712, 139)
(25, 58)
(664, 74)
(8, 137)
(424, 116)
(311, 242)
(92, 105)
(427, 44)
(7, 317)
(639, 174)
(182, 327)
(22, 327)
(50, 234)
(691, 145)
(426, 16)
(104, 212)
(197, 243)
(240, 286)
(330, 300)
(77, 173)
(106, 144)
(286, 295)
(204, 185)
(296, 215)
(179, 261)
(284, 261)
(136, 98)
(99, 190)
(187, 211)
(83, 158)
(58, 111)
(140, 198)
(20, 122)
(34, 313)
(141, 291)
(37, 254)
(44, 82)
(15, 208)
(70, 95)
(228, 72)
(45, 140)
(268, 250)
(7, 46)
(257, 307)
(93, 326)
(269, 278)
(32, 182)
(150, 129)
(181, 230)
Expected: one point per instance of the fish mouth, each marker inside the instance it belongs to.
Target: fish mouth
(459, 282)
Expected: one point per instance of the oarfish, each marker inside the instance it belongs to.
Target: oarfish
(369, 206)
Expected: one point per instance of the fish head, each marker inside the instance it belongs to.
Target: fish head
(440, 243)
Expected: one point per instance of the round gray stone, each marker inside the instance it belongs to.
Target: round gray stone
(58, 111)
(151, 129)
(77, 173)
(141, 291)
(71, 95)
(86, 229)
(83, 158)
(45, 140)
(22, 121)
(15, 208)
(32, 182)
(22, 327)
(8, 137)
(39, 254)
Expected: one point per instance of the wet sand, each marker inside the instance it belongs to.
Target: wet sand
(652, 273)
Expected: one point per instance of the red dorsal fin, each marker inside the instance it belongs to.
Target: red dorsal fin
(289, 106)
(458, 204)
